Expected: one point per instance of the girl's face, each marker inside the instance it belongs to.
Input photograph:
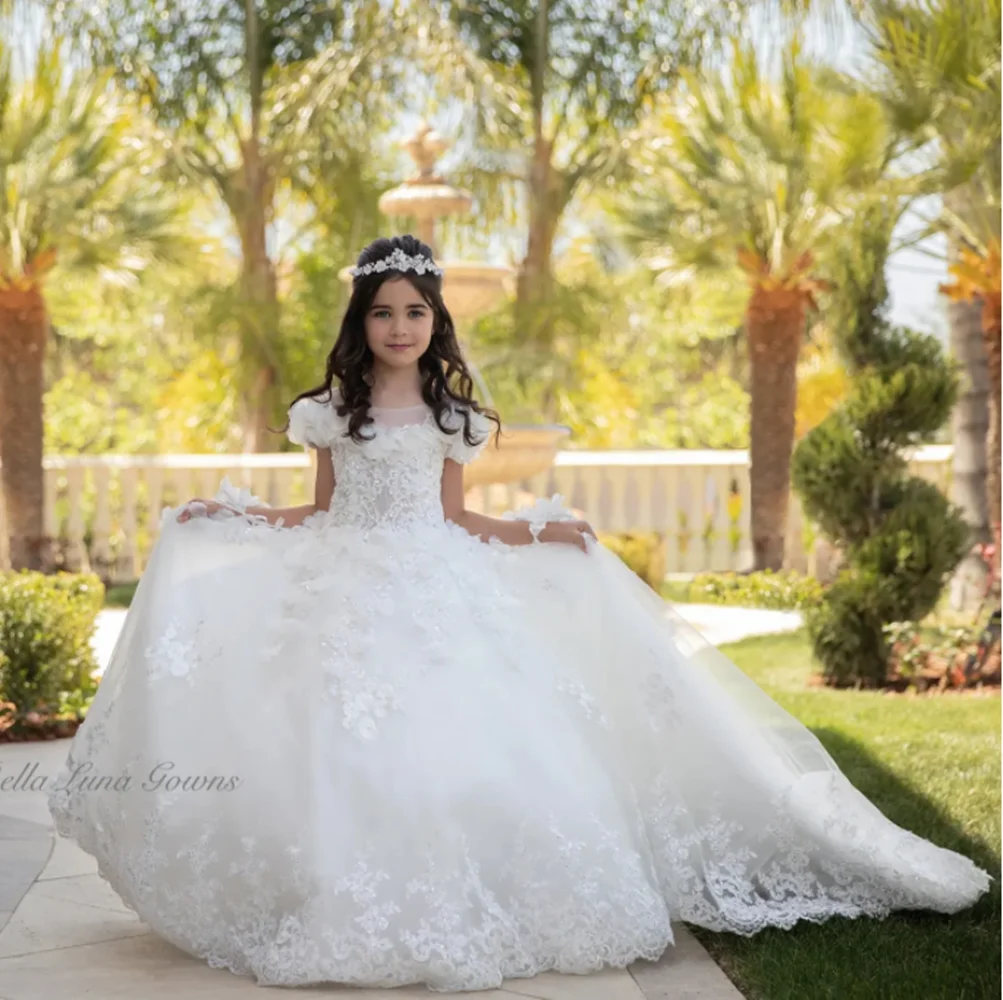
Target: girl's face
(398, 324)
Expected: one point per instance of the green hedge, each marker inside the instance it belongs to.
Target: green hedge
(46, 659)
(777, 591)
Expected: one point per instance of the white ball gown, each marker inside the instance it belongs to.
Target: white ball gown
(373, 749)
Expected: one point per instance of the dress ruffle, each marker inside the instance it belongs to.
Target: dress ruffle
(481, 428)
(317, 425)
(314, 423)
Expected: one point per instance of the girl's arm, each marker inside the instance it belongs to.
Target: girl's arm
(323, 489)
(290, 516)
(511, 532)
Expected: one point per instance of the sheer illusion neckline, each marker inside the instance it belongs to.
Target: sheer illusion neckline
(399, 418)
(389, 418)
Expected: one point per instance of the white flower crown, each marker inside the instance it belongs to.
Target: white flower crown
(398, 261)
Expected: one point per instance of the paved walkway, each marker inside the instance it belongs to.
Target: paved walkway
(66, 935)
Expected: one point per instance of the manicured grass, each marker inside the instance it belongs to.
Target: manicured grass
(932, 765)
(120, 595)
(676, 591)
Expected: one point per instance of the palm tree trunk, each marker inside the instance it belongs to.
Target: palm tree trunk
(969, 433)
(258, 277)
(533, 283)
(774, 324)
(991, 335)
(969, 430)
(261, 307)
(24, 329)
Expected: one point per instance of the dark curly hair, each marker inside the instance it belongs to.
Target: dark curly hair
(446, 380)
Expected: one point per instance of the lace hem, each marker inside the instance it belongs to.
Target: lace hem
(565, 899)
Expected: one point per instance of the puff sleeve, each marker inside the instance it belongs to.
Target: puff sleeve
(312, 422)
(481, 429)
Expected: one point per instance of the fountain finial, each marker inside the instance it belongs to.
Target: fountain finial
(425, 147)
(469, 288)
(425, 197)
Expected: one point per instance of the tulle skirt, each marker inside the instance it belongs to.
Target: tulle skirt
(376, 757)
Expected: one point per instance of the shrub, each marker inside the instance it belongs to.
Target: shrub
(642, 551)
(943, 657)
(781, 591)
(899, 535)
(46, 623)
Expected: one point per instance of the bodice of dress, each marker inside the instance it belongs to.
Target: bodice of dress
(394, 479)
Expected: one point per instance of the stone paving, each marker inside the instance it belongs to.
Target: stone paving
(66, 935)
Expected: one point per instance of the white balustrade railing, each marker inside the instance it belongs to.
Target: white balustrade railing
(104, 511)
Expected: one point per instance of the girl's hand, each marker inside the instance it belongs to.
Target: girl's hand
(569, 532)
(197, 507)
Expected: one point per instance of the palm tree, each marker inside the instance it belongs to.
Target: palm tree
(242, 87)
(745, 172)
(78, 190)
(583, 74)
(218, 78)
(939, 77)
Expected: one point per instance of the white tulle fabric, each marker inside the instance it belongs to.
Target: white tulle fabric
(400, 754)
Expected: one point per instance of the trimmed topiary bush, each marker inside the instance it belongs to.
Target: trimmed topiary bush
(900, 536)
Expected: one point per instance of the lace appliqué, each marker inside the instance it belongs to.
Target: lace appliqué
(586, 701)
(365, 698)
(571, 900)
(174, 654)
(540, 513)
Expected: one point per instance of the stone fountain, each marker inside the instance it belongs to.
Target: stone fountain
(469, 289)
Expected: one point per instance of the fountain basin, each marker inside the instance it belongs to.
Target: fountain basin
(523, 451)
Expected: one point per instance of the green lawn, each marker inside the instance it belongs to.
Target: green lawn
(932, 765)
(120, 595)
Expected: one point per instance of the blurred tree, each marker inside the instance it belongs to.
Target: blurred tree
(635, 362)
(821, 380)
(236, 82)
(585, 72)
(739, 168)
(244, 87)
(899, 535)
(938, 73)
(141, 369)
(79, 192)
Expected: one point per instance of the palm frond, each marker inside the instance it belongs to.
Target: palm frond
(79, 177)
(739, 164)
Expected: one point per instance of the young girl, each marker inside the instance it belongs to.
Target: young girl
(380, 739)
